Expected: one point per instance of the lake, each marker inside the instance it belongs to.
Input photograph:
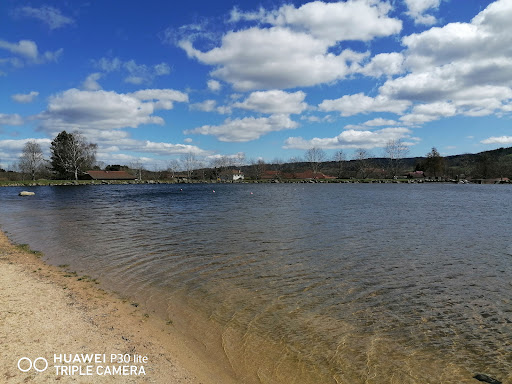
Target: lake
(299, 283)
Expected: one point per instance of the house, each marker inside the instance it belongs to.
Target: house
(232, 175)
(415, 175)
(108, 175)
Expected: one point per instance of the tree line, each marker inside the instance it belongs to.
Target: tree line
(70, 156)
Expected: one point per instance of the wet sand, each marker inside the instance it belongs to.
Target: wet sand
(47, 311)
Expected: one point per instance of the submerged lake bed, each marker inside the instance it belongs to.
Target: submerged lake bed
(304, 283)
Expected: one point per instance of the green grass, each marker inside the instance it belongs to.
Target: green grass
(26, 248)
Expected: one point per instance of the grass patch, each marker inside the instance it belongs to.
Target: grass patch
(26, 248)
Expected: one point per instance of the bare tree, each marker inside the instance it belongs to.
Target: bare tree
(31, 160)
(277, 165)
(239, 159)
(340, 158)
(173, 166)
(395, 151)
(362, 157)
(189, 161)
(315, 156)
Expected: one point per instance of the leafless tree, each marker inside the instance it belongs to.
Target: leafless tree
(189, 161)
(315, 156)
(340, 158)
(31, 160)
(395, 151)
(363, 163)
(173, 166)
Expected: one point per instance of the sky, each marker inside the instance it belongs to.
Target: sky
(150, 82)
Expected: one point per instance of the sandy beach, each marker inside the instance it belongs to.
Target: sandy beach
(58, 326)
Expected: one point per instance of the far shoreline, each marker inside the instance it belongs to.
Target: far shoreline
(58, 183)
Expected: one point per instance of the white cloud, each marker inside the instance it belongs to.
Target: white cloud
(205, 106)
(457, 69)
(424, 113)
(246, 129)
(52, 17)
(108, 65)
(361, 20)
(91, 82)
(275, 58)
(349, 105)
(136, 73)
(502, 140)
(379, 122)
(296, 50)
(28, 53)
(417, 10)
(10, 150)
(351, 139)
(10, 119)
(25, 98)
(274, 102)
(25, 48)
(214, 85)
(106, 110)
(161, 69)
(384, 64)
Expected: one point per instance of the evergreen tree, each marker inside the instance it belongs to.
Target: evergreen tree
(71, 155)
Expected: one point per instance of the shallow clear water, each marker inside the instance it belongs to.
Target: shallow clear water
(347, 283)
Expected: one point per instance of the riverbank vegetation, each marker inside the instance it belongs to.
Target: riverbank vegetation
(72, 157)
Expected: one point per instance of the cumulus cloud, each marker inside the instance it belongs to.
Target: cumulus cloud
(457, 69)
(246, 129)
(424, 113)
(339, 21)
(349, 105)
(10, 150)
(25, 97)
(502, 140)
(384, 64)
(275, 58)
(214, 85)
(10, 119)
(106, 110)
(26, 52)
(296, 49)
(351, 139)
(51, 16)
(417, 9)
(204, 106)
(274, 102)
(379, 122)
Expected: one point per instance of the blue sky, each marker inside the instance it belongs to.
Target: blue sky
(151, 81)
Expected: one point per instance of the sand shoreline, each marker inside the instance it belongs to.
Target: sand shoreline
(47, 311)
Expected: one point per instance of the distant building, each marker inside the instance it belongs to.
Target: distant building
(232, 175)
(416, 175)
(108, 175)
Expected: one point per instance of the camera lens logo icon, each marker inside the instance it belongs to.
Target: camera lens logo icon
(25, 364)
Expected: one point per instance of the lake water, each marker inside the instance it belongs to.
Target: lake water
(299, 283)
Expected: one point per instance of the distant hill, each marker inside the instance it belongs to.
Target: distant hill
(488, 164)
